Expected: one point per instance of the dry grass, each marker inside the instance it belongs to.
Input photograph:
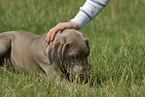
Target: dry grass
(116, 37)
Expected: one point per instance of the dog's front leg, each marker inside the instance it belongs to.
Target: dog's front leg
(5, 45)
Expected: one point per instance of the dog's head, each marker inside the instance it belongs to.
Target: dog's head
(68, 53)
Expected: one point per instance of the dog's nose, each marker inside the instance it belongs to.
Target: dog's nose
(81, 70)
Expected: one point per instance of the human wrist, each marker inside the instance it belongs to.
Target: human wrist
(74, 25)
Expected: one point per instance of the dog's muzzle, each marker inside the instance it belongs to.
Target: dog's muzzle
(80, 70)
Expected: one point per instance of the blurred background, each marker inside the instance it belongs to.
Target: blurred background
(117, 42)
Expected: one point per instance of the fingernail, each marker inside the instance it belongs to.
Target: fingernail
(47, 40)
(60, 28)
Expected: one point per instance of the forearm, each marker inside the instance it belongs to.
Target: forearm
(88, 11)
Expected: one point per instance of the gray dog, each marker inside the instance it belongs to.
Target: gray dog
(67, 54)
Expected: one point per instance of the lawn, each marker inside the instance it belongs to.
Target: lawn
(117, 42)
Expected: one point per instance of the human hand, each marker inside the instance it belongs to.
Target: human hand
(59, 27)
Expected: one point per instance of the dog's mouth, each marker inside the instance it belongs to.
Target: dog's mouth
(74, 70)
(82, 75)
(71, 75)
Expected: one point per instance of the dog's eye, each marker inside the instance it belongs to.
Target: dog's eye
(74, 56)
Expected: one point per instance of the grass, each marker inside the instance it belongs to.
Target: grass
(117, 43)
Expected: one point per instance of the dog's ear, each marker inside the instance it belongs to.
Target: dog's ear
(86, 40)
(63, 49)
(51, 52)
(56, 52)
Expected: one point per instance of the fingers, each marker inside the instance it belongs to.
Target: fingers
(48, 36)
(59, 27)
(52, 32)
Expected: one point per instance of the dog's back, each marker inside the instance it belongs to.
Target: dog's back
(22, 51)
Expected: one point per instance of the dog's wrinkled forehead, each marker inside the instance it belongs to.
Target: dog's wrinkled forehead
(79, 49)
(74, 35)
(70, 35)
(78, 42)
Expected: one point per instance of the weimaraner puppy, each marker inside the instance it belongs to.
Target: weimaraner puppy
(67, 54)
